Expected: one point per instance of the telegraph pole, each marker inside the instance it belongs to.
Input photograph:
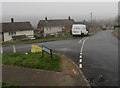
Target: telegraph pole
(91, 20)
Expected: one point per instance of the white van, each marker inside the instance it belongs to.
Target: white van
(79, 29)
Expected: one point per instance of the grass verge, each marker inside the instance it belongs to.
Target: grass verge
(116, 33)
(38, 40)
(33, 60)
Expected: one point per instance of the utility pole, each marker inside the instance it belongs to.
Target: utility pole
(91, 20)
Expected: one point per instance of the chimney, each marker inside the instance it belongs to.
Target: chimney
(45, 18)
(12, 20)
(69, 17)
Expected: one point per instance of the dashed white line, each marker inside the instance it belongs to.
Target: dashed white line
(80, 56)
(80, 60)
(80, 53)
(80, 65)
(81, 50)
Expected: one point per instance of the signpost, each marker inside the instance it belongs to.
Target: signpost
(1, 49)
(14, 49)
(47, 50)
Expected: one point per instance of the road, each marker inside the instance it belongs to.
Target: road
(101, 58)
(69, 47)
(100, 55)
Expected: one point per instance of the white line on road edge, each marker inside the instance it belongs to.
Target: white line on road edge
(80, 56)
(83, 45)
(80, 65)
(80, 60)
(81, 40)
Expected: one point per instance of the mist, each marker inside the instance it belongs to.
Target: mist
(79, 11)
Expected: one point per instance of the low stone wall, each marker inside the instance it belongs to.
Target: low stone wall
(58, 34)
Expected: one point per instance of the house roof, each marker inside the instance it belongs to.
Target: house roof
(56, 22)
(16, 26)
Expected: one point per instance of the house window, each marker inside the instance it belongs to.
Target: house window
(12, 33)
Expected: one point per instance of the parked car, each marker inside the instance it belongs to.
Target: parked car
(104, 28)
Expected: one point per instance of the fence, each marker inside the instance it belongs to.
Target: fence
(58, 34)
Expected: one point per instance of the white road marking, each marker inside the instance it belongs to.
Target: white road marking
(80, 56)
(80, 60)
(80, 53)
(81, 40)
(80, 65)
(81, 50)
(83, 45)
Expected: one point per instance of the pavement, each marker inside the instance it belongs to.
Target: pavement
(33, 77)
(99, 55)
(20, 76)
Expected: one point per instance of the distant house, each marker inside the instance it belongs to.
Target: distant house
(11, 29)
(55, 25)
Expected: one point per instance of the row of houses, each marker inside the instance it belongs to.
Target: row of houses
(23, 30)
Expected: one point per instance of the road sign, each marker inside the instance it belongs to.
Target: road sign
(36, 48)
(47, 50)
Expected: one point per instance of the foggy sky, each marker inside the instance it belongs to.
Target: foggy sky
(35, 11)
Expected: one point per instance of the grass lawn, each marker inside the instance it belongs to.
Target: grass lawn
(39, 40)
(32, 60)
(116, 33)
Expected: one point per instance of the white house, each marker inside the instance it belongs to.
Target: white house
(12, 29)
(55, 25)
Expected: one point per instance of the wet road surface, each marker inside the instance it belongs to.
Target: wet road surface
(101, 58)
(100, 55)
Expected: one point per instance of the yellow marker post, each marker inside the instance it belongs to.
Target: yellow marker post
(35, 48)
